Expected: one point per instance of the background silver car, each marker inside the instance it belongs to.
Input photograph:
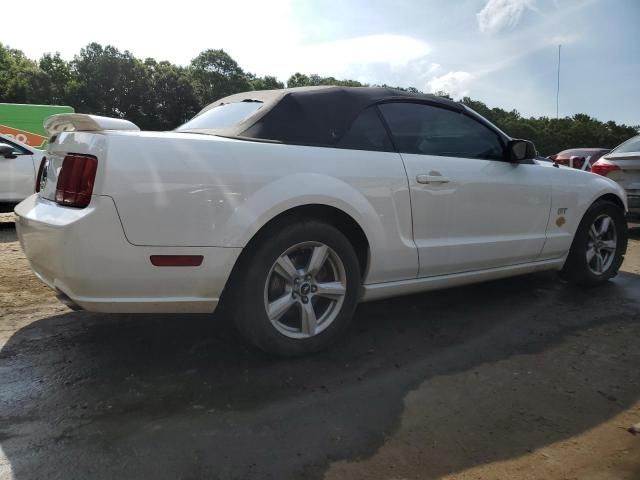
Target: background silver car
(622, 165)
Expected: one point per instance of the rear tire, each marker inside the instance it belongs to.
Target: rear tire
(296, 288)
(598, 247)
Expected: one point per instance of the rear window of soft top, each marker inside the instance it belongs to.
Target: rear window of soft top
(223, 116)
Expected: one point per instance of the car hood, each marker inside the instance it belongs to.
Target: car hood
(552, 165)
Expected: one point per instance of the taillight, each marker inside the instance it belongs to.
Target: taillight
(41, 168)
(604, 167)
(75, 180)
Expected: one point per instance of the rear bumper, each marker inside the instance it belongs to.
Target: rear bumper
(84, 255)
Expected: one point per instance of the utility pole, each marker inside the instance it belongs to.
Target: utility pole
(558, 86)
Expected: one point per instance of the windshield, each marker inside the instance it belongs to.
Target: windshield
(631, 145)
(222, 116)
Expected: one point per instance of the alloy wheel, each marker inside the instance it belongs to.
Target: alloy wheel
(305, 290)
(601, 244)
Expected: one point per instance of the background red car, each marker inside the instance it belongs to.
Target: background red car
(581, 158)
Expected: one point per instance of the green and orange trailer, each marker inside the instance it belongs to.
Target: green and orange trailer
(23, 122)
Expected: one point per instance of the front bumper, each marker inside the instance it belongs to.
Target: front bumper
(84, 255)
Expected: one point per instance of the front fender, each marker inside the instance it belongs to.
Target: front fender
(606, 186)
(573, 192)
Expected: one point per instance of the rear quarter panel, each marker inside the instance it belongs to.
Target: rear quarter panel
(198, 190)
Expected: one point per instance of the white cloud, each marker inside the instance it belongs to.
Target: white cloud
(498, 15)
(269, 40)
(433, 69)
(456, 84)
(341, 57)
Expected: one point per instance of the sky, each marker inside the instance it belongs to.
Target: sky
(502, 52)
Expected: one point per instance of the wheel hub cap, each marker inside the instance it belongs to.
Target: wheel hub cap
(601, 244)
(304, 291)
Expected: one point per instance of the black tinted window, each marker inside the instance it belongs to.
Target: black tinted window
(367, 133)
(17, 149)
(428, 130)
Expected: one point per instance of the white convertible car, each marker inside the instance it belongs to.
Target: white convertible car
(289, 207)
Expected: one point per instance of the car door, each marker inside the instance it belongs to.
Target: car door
(378, 172)
(17, 173)
(472, 209)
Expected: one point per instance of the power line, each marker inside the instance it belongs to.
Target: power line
(558, 86)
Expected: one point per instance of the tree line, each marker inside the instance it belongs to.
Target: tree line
(103, 80)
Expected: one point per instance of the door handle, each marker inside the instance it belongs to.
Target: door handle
(428, 179)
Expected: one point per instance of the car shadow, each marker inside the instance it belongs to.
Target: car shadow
(634, 230)
(174, 396)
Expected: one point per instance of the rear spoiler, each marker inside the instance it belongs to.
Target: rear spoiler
(80, 122)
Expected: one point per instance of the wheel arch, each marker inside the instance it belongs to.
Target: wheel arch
(321, 212)
(613, 198)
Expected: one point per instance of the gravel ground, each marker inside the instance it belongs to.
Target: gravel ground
(523, 378)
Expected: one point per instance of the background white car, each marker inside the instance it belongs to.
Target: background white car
(622, 165)
(19, 164)
(290, 206)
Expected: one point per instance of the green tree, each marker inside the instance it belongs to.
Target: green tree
(301, 80)
(298, 80)
(172, 100)
(55, 81)
(553, 135)
(443, 94)
(18, 76)
(111, 83)
(264, 83)
(404, 89)
(161, 95)
(215, 75)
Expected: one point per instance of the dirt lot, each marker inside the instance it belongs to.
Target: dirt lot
(524, 378)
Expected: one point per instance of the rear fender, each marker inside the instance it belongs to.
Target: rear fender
(298, 190)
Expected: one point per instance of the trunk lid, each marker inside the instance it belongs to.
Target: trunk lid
(76, 133)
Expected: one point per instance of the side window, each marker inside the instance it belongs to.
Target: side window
(429, 130)
(367, 133)
(17, 149)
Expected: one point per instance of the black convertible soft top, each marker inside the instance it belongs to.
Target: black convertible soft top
(310, 115)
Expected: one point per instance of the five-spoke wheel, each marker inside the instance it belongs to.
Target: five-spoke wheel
(296, 288)
(598, 246)
(601, 246)
(305, 289)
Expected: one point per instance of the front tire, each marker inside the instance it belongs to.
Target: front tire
(296, 289)
(599, 246)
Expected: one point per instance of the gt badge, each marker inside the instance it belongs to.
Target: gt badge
(560, 221)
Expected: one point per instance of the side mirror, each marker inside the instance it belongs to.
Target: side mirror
(519, 150)
(6, 151)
